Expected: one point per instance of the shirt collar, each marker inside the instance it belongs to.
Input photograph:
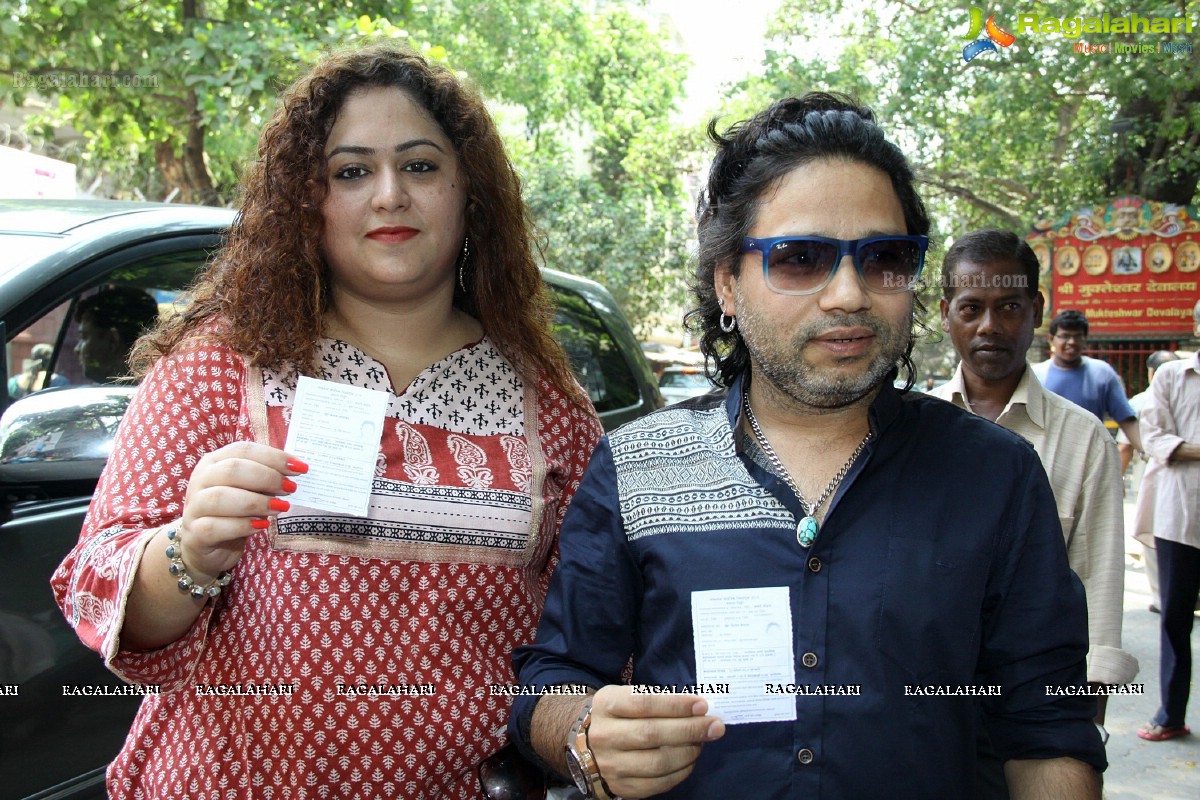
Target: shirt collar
(1028, 394)
(1031, 393)
(958, 392)
(733, 400)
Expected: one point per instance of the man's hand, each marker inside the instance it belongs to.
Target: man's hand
(644, 744)
(1132, 432)
(1186, 451)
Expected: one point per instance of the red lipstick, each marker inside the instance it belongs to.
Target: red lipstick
(392, 235)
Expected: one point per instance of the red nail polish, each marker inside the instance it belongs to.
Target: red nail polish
(279, 505)
(296, 465)
(289, 485)
(260, 524)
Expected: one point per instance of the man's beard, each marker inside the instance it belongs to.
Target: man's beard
(781, 361)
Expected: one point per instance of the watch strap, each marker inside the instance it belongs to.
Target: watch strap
(587, 775)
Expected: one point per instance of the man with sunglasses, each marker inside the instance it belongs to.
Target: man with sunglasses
(990, 307)
(907, 554)
(1085, 381)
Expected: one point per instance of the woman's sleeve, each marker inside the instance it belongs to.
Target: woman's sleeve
(188, 405)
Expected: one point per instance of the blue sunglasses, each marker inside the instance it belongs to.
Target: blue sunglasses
(806, 264)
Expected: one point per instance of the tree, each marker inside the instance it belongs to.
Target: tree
(170, 97)
(1024, 133)
(171, 93)
(635, 245)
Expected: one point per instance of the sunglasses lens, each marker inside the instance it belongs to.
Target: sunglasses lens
(799, 265)
(890, 265)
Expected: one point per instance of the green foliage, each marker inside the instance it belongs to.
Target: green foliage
(1027, 133)
(632, 85)
(603, 82)
(1014, 136)
(635, 244)
(170, 97)
(1010, 138)
(166, 95)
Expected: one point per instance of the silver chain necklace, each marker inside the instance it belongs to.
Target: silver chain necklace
(807, 529)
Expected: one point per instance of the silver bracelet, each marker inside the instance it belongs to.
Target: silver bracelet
(185, 582)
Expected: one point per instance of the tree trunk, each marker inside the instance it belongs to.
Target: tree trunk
(187, 172)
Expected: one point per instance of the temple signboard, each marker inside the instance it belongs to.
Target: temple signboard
(1131, 265)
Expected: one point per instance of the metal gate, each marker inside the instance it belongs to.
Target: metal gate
(1128, 358)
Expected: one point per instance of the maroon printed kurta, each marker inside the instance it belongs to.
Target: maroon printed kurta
(422, 601)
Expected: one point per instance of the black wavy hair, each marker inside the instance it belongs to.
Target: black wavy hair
(1072, 319)
(752, 156)
(988, 245)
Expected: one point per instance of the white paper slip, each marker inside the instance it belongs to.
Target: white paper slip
(336, 430)
(743, 640)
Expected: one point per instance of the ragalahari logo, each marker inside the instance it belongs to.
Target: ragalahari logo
(995, 36)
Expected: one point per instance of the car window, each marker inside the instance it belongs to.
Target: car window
(597, 361)
(163, 278)
(683, 380)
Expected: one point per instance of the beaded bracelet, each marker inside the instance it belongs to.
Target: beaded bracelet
(178, 570)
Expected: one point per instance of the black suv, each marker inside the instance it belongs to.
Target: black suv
(53, 444)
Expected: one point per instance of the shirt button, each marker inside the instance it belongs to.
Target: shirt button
(805, 756)
(814, 564)
(809, 660)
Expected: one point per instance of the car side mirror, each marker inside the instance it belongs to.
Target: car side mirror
(59, 437)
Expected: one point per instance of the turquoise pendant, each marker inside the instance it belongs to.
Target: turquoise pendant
(806, 531)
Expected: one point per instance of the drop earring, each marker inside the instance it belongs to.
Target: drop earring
(462, 263)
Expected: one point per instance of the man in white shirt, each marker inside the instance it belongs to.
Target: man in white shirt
(990, 307)
(1171, 437)
(1139, 402)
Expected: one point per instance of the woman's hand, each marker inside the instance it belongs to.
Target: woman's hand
(233, 492)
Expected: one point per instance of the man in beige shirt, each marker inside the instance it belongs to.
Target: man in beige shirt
(990, 307)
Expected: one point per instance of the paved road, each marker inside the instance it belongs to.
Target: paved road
(1140, 770)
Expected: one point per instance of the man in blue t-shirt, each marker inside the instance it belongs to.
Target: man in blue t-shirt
(1087, 382)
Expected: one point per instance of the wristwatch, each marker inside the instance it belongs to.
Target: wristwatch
(580, 760)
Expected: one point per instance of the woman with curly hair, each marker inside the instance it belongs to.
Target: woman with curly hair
(382, 243)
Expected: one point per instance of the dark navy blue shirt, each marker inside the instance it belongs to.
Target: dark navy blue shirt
(940, 565)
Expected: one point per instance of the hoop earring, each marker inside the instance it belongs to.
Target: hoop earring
(462, 263)
(727, 327)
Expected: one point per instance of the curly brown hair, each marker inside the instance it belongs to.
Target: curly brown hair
(265, 292)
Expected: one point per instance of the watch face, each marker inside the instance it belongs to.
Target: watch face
(578, 774)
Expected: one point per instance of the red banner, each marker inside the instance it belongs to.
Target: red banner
(1132, 266)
